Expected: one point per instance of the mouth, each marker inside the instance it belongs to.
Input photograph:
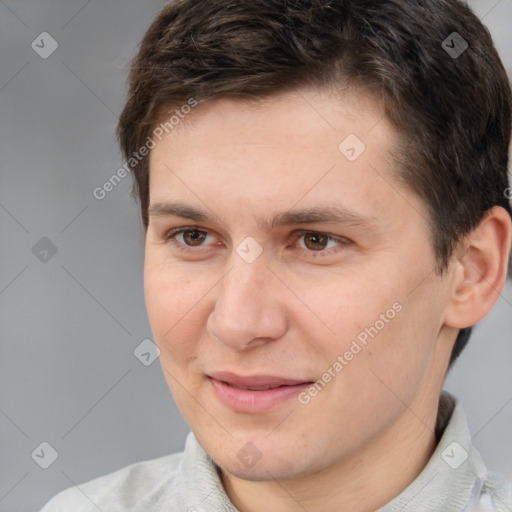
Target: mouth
(254, 394)
(252, 388)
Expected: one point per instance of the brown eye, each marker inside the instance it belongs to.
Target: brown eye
(319, 244)
(316, 241)
(194, 237)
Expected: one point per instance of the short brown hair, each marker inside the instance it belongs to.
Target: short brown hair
(451, 109)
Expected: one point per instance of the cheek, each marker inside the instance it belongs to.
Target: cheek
(347, 309)
(171, 301)
(398, 349)
(374, 326)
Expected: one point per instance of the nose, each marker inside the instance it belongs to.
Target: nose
(248, 311)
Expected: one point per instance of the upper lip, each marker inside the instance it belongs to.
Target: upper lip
(254, 380)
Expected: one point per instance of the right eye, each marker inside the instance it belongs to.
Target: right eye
(186, 238)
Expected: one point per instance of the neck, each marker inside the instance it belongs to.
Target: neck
(364, 482)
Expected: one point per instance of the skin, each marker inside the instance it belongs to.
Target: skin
(301, 303)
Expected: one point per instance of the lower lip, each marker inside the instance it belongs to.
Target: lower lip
(245, 400)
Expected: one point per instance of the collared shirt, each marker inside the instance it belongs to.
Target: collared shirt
(454, 480)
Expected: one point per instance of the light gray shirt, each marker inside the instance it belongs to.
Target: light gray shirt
(454, 480)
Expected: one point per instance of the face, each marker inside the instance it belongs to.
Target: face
(254, 283)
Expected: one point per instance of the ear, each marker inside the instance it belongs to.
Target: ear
(479, 270)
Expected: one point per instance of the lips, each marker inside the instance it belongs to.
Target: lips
(254, 394)
(255, 382)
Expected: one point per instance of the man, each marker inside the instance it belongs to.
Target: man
(323, 186)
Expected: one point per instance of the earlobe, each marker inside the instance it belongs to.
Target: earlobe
(480, 270)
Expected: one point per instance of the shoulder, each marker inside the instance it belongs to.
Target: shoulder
(137, 485)
(496, 493)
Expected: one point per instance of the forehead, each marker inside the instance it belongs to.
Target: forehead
(304, 147)
(287, 130)
(335, 109)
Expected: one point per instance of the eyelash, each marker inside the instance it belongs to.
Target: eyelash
(170, 237)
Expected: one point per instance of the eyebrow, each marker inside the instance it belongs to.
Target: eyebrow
(285, 218)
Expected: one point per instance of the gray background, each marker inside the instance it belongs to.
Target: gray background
(70, 325)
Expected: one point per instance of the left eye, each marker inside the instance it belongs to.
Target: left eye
(318, 242)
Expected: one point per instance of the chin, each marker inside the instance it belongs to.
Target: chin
(263, 470)
(262, 460)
